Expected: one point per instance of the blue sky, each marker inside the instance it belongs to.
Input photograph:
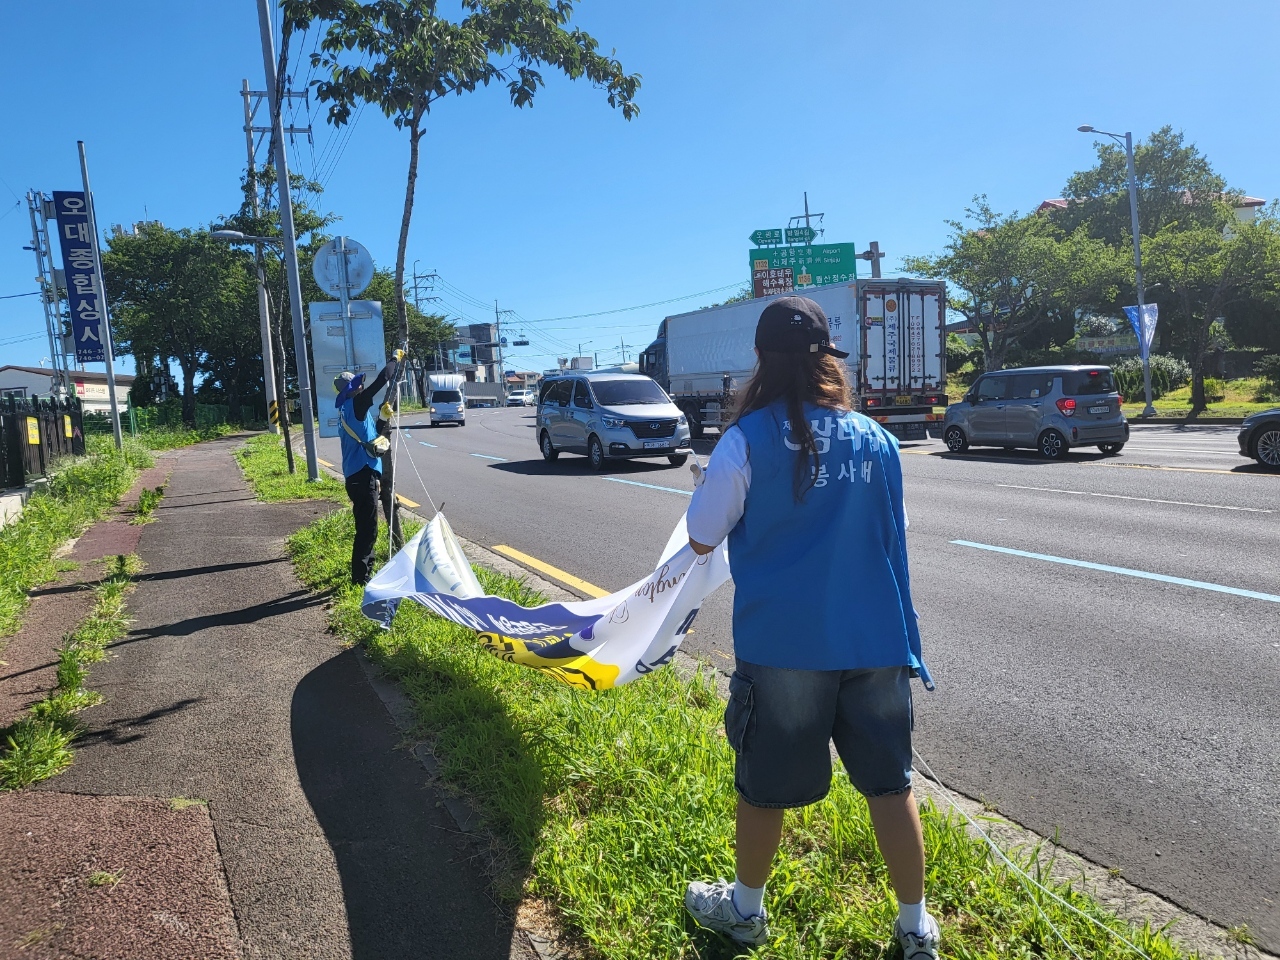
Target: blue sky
(890, 115)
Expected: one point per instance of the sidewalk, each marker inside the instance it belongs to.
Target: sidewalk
(230, 690)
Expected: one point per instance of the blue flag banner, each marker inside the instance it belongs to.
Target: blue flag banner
(592, 644)
(1144, 327)
(88, 325)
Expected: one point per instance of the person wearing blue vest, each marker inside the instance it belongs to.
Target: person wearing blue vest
(362, 450)
(809, 495)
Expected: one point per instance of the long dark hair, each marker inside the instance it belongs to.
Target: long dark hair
(797, 379)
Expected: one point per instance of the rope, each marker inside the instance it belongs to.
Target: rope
(1023, 876)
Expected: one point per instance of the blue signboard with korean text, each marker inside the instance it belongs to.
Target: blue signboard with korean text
(88, 318)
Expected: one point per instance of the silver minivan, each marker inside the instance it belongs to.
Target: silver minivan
(1050, 409)
(610, 416)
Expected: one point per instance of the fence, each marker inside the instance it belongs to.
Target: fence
(34, 433)
(166, 415)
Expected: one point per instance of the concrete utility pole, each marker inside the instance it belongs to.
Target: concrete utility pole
(806, 216)
(268, 366)
(108, 348)
(875, 256)
(301, 362)
(497, 331)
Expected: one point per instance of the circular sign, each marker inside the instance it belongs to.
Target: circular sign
(891, 305)
(327, 267)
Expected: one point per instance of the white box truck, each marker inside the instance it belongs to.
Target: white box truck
(893, 329)
(447, 399)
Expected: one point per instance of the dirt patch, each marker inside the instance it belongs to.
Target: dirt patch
(113, 878)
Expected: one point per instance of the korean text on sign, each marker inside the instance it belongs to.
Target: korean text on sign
(79, 264)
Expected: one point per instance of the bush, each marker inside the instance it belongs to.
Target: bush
(1177, 372)
(1131, 386)
(1215, 390)
(1268, 368)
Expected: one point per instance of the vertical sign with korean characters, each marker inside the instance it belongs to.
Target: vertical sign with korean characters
(915, 339)
(892, 344)
(79, 263)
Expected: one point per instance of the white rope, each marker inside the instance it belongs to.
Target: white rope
(1025, 877)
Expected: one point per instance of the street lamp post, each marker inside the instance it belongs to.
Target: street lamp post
(1127, 139)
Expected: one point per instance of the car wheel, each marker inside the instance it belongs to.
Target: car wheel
(955, 439)
(1111, 449)
(548, 451)
(463, 423)
(678, 459)
(1053, 445)
(1266, 447)
(595, 454)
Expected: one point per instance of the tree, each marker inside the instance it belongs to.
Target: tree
(1012, 275)
(408, 57)
(1209, 270)
(176, 294)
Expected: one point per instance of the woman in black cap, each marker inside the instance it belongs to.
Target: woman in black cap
(809, 495)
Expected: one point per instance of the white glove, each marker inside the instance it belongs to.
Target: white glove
(699, 475)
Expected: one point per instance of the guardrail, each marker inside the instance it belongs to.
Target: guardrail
(34, 433)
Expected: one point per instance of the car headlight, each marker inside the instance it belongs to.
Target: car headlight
(1248, 422)
(433, 409)
(613, 423)
(683, 421)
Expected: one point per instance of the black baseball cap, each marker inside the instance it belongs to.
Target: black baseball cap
(795, 325)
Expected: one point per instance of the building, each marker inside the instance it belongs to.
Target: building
(90, 386)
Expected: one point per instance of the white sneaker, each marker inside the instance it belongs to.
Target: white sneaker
(712, 906)
(916, 946)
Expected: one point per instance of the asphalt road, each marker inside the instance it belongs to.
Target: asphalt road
(1134, 715)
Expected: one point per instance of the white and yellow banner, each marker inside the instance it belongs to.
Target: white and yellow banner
(593, 644)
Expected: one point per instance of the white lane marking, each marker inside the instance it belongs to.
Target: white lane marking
(651, 486)
(485, 456)
(1125, 571)
(425, 444)
(1117, 496)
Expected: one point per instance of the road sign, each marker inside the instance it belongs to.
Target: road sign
(801, 234)
(327, 267)
(811, 266)
(763, 238)
(767, 282)
(79, 267)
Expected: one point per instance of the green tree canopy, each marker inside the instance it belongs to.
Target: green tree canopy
(1011, 275)
(403, 56)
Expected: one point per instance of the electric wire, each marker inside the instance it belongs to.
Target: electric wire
(14, 296)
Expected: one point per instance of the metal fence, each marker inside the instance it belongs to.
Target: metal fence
(34, 433)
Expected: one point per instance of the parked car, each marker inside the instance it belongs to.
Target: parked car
(522, 398)
(609, 416)
(1260, 438)
(1050, 409)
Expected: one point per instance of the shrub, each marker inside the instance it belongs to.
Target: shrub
(1268, 368)
(1177, 372)
(1215, 390)
(1131, 386)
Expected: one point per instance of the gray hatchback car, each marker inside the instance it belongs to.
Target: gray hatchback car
(1050, 409)
(610, 416)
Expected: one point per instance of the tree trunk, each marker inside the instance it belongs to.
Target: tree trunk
(188, 392)
(402, 308)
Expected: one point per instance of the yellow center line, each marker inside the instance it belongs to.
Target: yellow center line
(407, 502)
(324, 461)
(555, 573)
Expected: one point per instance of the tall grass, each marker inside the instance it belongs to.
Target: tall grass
(604, 805)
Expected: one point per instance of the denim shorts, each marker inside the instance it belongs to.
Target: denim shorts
(781, 723)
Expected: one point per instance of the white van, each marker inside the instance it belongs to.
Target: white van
(447, 400)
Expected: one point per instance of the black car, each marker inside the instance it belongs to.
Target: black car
(1260, 438)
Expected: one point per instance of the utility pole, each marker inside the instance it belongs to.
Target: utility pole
(108, 348)
(497, 330)
(302, 364)
(873, 254)
(807, 216)
(624, 349)
(268, 366)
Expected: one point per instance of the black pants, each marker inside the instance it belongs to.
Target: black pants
(390, 509)
(362, 491)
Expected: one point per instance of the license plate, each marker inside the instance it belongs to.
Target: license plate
(902, 401)
(1101, 408)
(655, 444)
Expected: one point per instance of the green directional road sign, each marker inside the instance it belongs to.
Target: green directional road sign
(808, 266)
(762, 238)
(801, 234)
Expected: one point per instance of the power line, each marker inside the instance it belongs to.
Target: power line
(11, 296)
(640, 306)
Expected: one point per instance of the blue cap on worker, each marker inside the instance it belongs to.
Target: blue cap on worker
(346, 384)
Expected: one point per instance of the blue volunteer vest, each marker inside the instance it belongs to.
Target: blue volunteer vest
(822, 584)
(354, 456)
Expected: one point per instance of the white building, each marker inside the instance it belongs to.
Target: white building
(90, 386)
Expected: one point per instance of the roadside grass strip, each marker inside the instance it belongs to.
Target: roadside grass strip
(148, 500)
(38, 745)
(1123, 571)
(272, 480)
(604, 805)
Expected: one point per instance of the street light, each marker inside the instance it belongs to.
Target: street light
(1127, 140)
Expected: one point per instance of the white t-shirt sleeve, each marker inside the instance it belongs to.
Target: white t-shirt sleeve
(718, 504)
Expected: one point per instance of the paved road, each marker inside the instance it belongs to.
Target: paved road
(1135, 715)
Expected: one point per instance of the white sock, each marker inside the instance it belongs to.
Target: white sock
(911, 917)
(748, 901)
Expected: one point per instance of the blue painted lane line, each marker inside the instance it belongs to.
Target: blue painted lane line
(425, 444)
(485, 456)
(1125, 571)
(650, 486)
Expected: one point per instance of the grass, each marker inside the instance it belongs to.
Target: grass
(604, 805)
(183, 803)
(38, 745)
(104, 878)
(148, 500)
(1240, 398)
(263, 462)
